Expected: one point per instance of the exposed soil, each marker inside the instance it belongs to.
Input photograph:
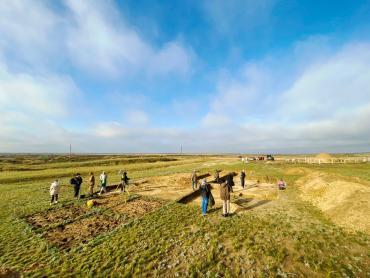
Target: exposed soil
(110, 200)
(242, 199)
(346, 203)
(170, 187)
(81, 230)
(66, 213)
(137, 207)
(66, 236)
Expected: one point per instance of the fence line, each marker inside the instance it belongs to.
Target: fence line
(326, 161)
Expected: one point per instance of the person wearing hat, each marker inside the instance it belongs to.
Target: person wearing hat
(76, 183)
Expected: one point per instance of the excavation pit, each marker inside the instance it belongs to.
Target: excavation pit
(55, 216)
(72, 225)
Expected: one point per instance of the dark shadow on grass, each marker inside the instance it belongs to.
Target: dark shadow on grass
(243, 201)
(214, 209)
(259, 203)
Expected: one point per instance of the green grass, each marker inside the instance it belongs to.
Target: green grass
(279, 239)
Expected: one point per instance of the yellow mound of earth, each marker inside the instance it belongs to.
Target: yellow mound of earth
(346, 203)
(324, 156)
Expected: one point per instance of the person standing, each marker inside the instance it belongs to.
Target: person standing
(124, 180)
(76, 183)
(230, 181)
(103, 182)
(205, 191)
(194, 180)
(217, 176)
(54, 191)
(91, 183)
(242, 178)
(225, 189)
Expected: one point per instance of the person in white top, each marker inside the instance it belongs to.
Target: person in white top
(103, 180)
(54, 191)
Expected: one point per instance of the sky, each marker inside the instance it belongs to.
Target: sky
(233, 76)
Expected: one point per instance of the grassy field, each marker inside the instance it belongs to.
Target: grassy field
(283, 238)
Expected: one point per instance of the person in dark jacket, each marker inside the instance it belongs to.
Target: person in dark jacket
(205, 191)
(225, 189)
(242, 178)
(230, 181)
(124, 180)
(76, 183)
(217, 176)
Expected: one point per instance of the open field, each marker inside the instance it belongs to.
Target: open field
(318, 227)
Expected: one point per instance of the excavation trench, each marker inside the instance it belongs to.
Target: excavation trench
(71, 225)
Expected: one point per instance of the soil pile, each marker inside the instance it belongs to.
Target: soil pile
(346, 203)
(324, 157)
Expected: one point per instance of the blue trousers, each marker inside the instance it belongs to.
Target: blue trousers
(204, 204)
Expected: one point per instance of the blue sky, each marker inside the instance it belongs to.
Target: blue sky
(212, 76)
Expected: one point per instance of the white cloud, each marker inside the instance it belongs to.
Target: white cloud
(90, 35)
(234, 16)
(100, 41)
(324, 104)
(336, 85)
(136, 117)
(30, 33)
(43, 95)
(41, 39)
(241, 94)
(31, 106)
(215, 120)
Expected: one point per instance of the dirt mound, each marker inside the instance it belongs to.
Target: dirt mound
(346, 203)
(323, 156)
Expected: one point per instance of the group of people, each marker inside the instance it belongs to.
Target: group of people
(77, 180)
(226, 187)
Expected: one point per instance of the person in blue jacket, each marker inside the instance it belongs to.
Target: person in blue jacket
(205, 191)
